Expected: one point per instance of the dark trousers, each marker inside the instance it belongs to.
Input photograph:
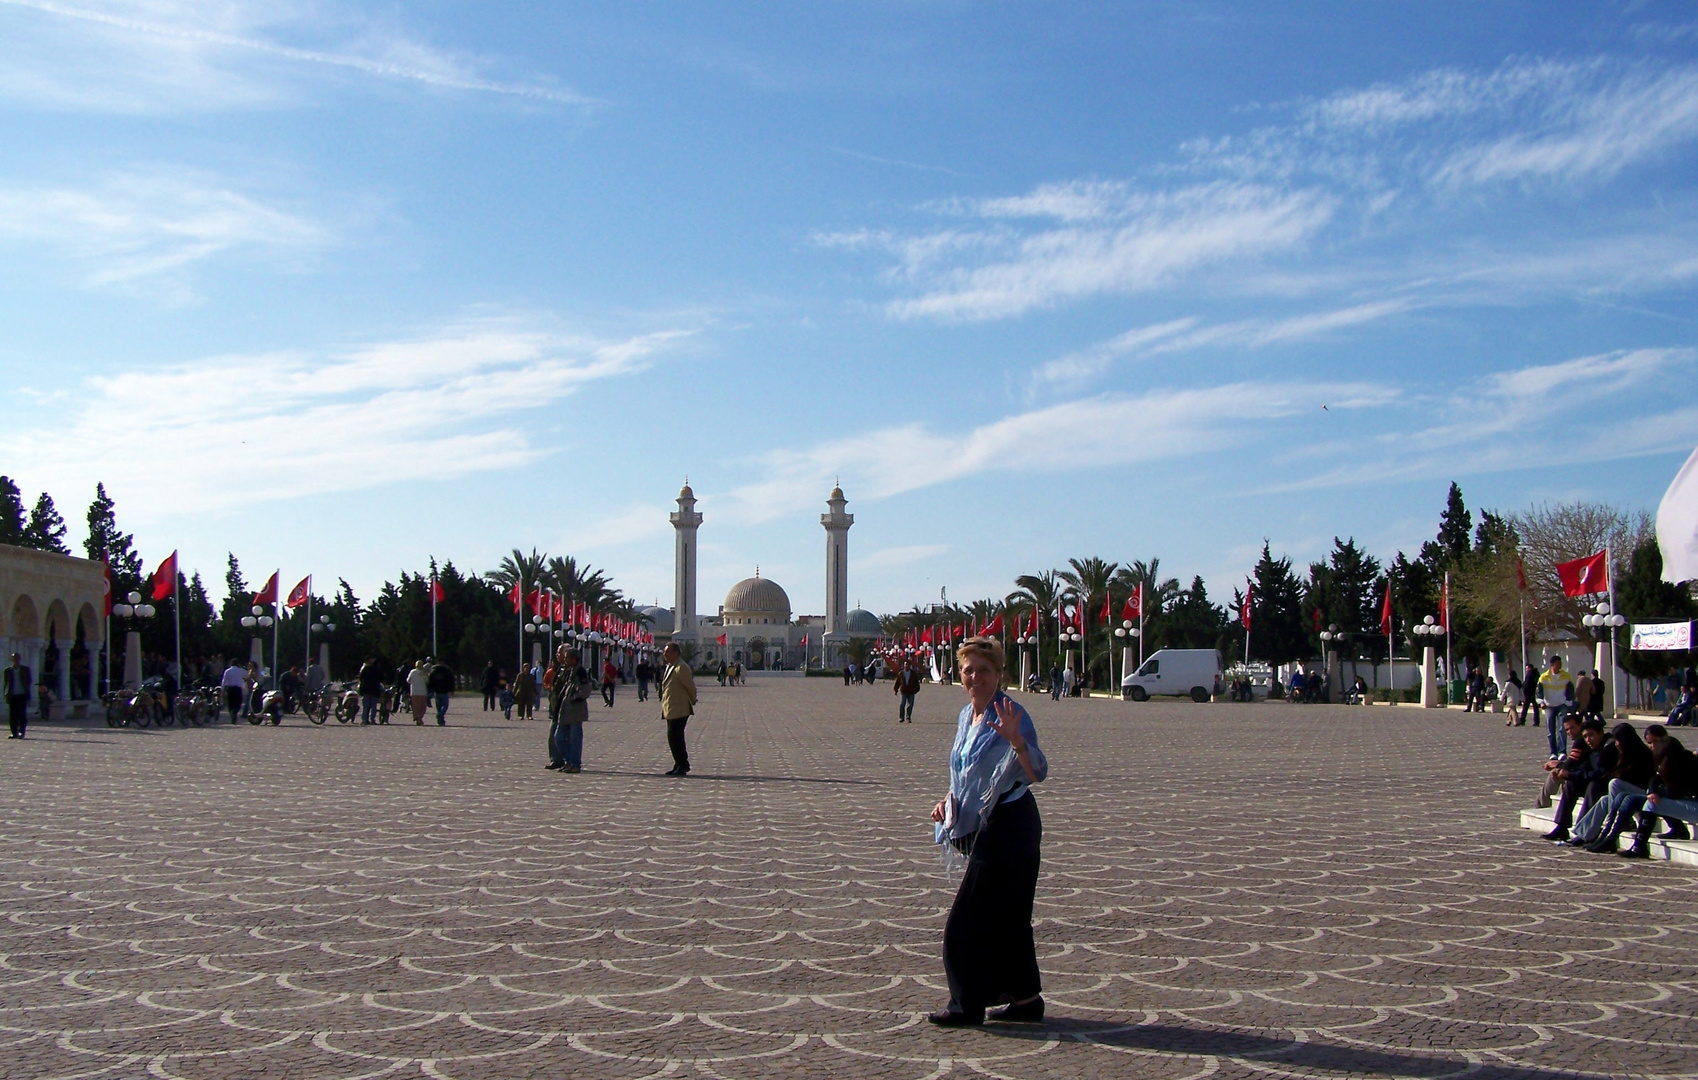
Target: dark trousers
(1574, 791)
(989, 955)
(607, 693)
(489, 700)
(642, 689)
(675, 742)
(233, 701)
(17, 713)
(905, 708)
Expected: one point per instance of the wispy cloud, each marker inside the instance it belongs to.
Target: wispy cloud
(1110, 429)
(1328, 187)
(1148, 242)
(225, 432)
(1504, 421)
(886, 558)
(1187, 334)
(145, 231)
(170, 54)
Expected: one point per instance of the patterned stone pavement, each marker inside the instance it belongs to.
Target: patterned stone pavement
(1228, 890)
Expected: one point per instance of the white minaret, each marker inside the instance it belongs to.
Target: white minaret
(685, 523)
(836, 562)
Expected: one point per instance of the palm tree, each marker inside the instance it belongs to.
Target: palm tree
(580, 584)
(1159, 595)
(518, 567)
(1091, 579)
(1043, 592)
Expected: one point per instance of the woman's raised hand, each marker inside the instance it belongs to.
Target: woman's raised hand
(1004, 719)
(938, 810)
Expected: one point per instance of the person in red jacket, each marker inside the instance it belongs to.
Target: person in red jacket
(609, 680)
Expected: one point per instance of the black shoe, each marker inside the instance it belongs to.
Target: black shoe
(573, 768)
(1577, 841)
(1604, 844)
(1030, 1013)
(671, 772)
(554, 765)
(951, 1019)
(1677, 829)
(1559, 833)
(1637, 851)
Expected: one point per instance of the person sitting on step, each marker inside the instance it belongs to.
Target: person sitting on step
(1584, 772)
(1673, 795)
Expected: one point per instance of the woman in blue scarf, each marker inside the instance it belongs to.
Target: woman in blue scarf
(990, 816)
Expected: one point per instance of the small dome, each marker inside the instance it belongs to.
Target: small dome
(685, 492)
(759, 596)
(657, 620)
(837, 495)
(861, 621)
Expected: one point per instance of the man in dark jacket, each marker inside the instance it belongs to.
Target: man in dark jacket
(371, 690)
(907, 688)
(1585, 774)
(490, 685)
(440, 684)
(17, 679)
(568, 708)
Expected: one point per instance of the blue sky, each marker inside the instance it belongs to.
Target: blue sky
(339, 287)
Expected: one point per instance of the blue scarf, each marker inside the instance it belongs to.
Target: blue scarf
(983, 769)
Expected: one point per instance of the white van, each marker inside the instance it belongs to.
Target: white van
(1175, 671)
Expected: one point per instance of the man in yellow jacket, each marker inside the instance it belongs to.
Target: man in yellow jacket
(677, 702)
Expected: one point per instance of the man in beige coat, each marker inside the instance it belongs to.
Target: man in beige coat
(677, 702)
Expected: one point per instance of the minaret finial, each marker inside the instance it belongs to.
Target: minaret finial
(757, 569)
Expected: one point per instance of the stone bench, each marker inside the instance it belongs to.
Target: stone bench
(1684, 852)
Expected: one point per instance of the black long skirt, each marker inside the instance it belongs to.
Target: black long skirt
(988, 952)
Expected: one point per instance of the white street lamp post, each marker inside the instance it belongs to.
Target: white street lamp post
(1128, 633)
(1605, 618)
(134, 610)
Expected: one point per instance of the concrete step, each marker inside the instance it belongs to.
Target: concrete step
(1684, 852)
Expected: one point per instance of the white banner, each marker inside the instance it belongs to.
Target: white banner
(1662, 637)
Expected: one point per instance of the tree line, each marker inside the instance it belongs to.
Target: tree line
(475, 621)
(1487, 558)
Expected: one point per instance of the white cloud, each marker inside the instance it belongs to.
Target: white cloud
(1152, 241)
(887, 558)
(231, 431)
(1111, 429)
(1184, 335)
(1352, 175)
(636, 522)
(1541, 416)
(143, 232)
(1593, 133)
(148, 55)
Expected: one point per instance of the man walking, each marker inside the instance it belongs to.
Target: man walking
(645, 672)
(677, 702)
(234, 683)
(491, 683)
(907, 687)
(609, 681)
(17, 680)
(371, 690)
(439, 685)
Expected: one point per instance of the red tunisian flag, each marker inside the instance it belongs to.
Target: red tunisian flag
(1108, 608)
(517, 595)
(1032, 631)
(804, 641)
(165, 578)
(1244, 615)
(992, 628)
(1444, 603)
(106, 574)
(1385, 611)
(268, 595)
(1520, 576)
(1134, 609)
(436, 593)
(1583, 577)
(720, 639)
(558, 609)
(298, 595)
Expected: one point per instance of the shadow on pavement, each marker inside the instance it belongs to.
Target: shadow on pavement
(1289, 1053)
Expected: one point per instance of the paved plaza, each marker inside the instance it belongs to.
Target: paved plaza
(1228, 890)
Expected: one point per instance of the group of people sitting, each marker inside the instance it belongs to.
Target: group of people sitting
(1620, 783)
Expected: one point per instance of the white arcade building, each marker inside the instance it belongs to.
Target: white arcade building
(759, 627)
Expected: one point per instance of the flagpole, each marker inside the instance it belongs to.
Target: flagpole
(1449, 671)
(177, 620)
(1141, 629)
(306, 657)
(433, 651)
(1609, 576)
(276, 625)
